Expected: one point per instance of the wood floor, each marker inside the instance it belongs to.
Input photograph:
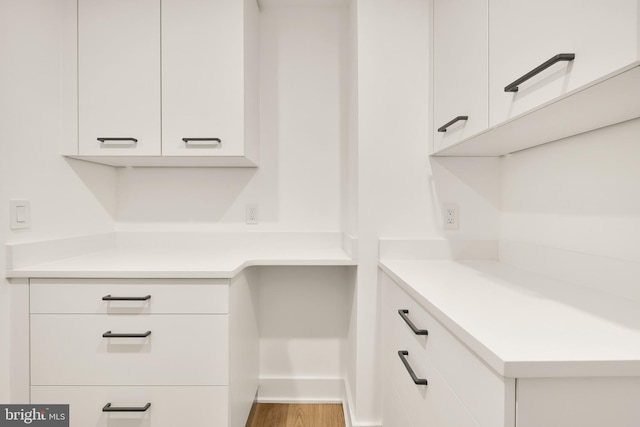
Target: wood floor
(296, 415)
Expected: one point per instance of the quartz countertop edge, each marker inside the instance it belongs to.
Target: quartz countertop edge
(522, 324)
(135, 264)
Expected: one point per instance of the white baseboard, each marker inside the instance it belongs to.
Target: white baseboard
(296, 390)
(349, 416)
(291, 390)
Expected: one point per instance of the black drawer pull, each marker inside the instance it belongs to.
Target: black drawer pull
(109, 408)
(110, 334)
(110, 298)
(211, 141)
(444, 127)
(416, 380)
(513, 87)
(403, 314)
(117, 140)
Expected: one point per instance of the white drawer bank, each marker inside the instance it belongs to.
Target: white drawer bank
(149, 352)
(199, 366)
(485, 345)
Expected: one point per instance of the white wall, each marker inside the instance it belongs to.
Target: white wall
(580, 194)
(303, 321)
(67, 198)
(299, 184)
(333, 157)
(400, 188)
(572, 211)
(4, 220)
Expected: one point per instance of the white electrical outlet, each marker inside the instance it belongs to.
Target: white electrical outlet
(451, 216)
(251, 214)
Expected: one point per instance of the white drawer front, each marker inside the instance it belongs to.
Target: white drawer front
(166, 296)
(181, 350)
(434, 404)
(393, 412)
(489, 397)
(170, 406)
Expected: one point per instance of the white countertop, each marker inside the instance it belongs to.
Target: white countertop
(156, 255)
(523, 324)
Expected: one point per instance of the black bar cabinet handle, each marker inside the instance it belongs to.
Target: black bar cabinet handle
(513, 87)
(109, 408)
(103, 140)
(110, 298)
(444, 127)
(214, 140)
(416, 380)
(403, 314)
(110, 334)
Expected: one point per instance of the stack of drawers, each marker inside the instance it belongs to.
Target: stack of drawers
(149, 353)
(460, 392)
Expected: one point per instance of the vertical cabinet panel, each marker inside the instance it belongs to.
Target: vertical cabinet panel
(119, 76)
(524, 34)
(460, 61)
(203, 77)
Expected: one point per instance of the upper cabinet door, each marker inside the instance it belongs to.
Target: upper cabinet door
(203, 77)
(460, 63)
(119, 77)
(524, 34)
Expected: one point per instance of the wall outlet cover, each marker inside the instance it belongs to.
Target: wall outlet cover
(450, 216)
(251, 214)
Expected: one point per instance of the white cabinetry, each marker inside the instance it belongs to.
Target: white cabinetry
(171, 406)
(460, 68)
(602, 35)
(177, 88)
(119, 77)
(460, 392)
(191, 349)
(463, 391)
(123, 342)
(203, 78)
(579, 402)
(595, 89)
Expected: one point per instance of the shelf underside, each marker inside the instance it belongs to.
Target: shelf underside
(613, 99)
(169, 161)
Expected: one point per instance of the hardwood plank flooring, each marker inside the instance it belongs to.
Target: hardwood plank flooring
(296, 415)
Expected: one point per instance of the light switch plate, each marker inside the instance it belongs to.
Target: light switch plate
(19, 214)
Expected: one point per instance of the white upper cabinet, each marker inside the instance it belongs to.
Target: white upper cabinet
(177, 88)
(460, 67)
(202, 77)
(532, 98)
(524, 34)
(119, 77)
